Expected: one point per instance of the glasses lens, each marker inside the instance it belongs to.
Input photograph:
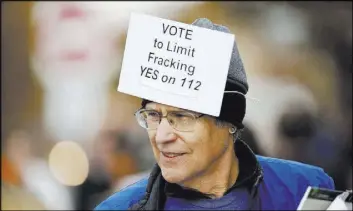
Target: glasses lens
(182, 121)
(148, 119)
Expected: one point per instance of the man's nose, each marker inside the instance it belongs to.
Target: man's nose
(165, 132)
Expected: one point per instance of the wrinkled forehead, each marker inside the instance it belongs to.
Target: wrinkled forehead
(164, 108)
(161, 107)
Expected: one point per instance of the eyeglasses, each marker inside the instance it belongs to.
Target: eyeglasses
(183, 121)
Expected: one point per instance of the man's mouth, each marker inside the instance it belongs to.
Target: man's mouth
(172, 154)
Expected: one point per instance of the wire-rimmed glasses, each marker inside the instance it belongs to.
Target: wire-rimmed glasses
(183, 121)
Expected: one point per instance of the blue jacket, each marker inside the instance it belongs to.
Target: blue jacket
(284, 184)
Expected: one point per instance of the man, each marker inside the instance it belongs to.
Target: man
(203, 164)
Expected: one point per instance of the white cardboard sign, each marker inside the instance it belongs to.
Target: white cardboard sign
(176, 64)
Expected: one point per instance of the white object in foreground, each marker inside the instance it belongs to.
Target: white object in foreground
(325, 199)
(342, 202)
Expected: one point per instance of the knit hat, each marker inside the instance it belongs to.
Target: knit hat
(233, 104)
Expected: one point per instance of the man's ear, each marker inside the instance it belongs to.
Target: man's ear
(232, 130)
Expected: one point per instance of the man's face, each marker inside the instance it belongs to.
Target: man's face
(197, 151)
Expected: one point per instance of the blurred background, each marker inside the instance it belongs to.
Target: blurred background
(69, 139)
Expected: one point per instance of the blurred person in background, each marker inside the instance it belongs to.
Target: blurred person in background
(109, 163)
(202, 163)
(334, 135)
(343, 54)
(327, 142)
(305, 139)
(297, 128)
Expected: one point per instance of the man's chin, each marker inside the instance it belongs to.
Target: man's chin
(173, 175)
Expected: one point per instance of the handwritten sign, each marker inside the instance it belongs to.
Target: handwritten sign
(176, 64)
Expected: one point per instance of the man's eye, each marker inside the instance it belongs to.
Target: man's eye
(181, 116)
(152, 114)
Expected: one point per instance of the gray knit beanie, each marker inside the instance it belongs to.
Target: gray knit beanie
(236, 72)
(233, 104)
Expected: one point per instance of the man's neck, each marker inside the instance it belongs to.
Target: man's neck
(217, 179)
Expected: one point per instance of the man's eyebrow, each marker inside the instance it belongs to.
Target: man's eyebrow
(159, 109)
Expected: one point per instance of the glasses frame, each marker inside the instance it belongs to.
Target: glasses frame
(195, 116)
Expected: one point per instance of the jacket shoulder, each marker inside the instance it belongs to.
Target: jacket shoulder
(285, 182)
(292, 171)
(126, 197)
